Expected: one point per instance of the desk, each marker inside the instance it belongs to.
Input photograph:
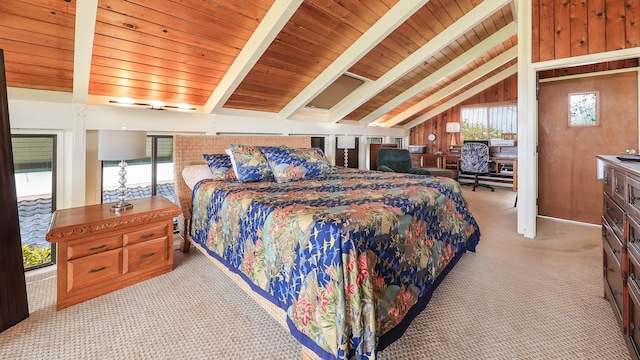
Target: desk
(499, 166)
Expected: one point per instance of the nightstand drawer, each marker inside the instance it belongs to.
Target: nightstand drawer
(94, 269)
(144, 255)
(84, 248)
(144, 235)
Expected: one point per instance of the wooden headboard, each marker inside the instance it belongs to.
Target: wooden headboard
(188, 150)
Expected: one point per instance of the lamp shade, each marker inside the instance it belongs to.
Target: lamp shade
(453, 127)
(346, 142)
(117, 145)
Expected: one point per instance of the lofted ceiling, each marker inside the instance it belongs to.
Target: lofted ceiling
(415, 58)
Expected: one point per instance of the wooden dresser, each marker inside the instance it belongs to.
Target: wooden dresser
(621, 244)
(100, 250)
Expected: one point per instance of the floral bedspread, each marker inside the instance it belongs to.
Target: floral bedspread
(352, 257)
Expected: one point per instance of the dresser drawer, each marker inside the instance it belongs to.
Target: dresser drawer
(633, 197)
(94, 269)
(633, 331)
(633, 236)
(618, 187)
(145, 234)
(145, 254)
(613, 281)
(94, 246)
(607, 180)
(614, 215)
(611, 239)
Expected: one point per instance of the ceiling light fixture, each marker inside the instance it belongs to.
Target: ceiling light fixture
(154, 104)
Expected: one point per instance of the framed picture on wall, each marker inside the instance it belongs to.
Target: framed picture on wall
(584, 108)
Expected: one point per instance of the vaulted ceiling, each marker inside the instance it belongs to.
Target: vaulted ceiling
(270, 57)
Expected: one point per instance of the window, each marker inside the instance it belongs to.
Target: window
(146, 177)
(34, 158)
(489, 122)
(398, 141)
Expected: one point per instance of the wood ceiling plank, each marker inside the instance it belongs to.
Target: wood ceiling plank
(251, 8)
(56, 5)
(202, 31)
(155, 77)
(144, 94)
(21, 80)
(135, 41)
(53, 53)
(136, 49)
(155, 85)
(39, 71)
(179, 71)
(31, 60)
(25, 35)
(30, 25)
(37, 12)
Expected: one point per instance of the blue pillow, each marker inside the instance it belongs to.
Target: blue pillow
(295, 164)
(220, 166)
(251, 164)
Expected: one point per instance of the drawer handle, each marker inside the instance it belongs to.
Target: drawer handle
(146, 236)
(96, 270)
(608, 269)
(633, 327)
(618, 187)
(616, 221)
(616, 292)
(614, 251)
(632, 199)
(633, 240)
(96, 247)
(606, 181)
(147, 255)
(606, 209)
(604, 233)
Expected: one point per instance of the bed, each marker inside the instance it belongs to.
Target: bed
(344, 260)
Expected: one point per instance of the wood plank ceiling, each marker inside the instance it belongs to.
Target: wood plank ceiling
(265, 56)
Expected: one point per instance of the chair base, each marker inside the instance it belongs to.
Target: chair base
(476, 184)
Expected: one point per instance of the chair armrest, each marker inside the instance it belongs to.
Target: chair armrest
(385, 168)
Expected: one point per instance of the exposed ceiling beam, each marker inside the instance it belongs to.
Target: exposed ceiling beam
(489, 43)
(275, 19)
(460, 83)
(395, 17)
(86, 12)
(465, 95)
(444, 38)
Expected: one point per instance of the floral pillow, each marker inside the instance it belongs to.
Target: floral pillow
(220, 166)
(295, 164)
(251, 164)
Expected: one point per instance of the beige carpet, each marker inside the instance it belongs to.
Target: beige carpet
(515, 298)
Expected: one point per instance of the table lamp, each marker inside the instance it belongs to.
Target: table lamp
(346, 143)
(453, 128)
(121, 145)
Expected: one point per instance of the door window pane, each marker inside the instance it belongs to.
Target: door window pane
(34, 165)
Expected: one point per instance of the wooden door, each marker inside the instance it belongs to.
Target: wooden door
(567, 184)
(13, 290)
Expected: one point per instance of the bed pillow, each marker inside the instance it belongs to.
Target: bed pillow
(192, 174)
(295, 164)
(251, 164)
(233, 163)
(220, 166)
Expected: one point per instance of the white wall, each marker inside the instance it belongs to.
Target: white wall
(52, 112)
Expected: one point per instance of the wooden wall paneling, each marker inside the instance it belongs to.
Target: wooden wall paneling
(632, 17)
(13, 289)
(547, 28)
(535, 33)
(562, 38)
(615, 25)
(578, 26)
(597, 23)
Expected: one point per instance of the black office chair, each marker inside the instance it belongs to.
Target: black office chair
(474, 159)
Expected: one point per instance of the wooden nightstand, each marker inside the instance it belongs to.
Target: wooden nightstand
(100, 250)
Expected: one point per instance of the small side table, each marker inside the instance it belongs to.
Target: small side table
(100, 250)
